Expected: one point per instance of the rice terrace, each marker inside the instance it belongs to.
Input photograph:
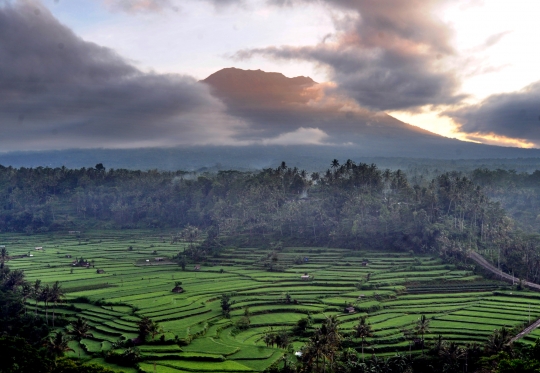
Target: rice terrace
(246, 309)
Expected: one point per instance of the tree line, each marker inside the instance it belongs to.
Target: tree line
(351, 204)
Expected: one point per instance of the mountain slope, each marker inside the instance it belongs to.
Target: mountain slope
(273, 103)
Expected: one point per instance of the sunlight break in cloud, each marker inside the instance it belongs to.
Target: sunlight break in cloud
(494, 139)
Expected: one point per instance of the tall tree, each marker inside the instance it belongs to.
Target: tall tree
(58, 344)
(45, 296)
(4, 255)
(363, 331)
(147, 326)
(421, 328)
(80, 329)
(36, 291)
(56, 296)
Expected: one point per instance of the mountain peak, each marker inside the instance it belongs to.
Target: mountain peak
(259, 88)
(254, 77)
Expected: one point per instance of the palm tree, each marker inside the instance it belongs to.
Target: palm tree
(44, 296)
(498, 340)
(363, 331)
(422, 327)
(132, 355)
(144, 326)
(397, 363)
(26, 293)
(331, 337)
(269, 339)
(36, 290)
(4, 271)
(313, 351)
(147, 327)
(56, 295)
(451, 354)
(80, 329)
(58, 345)
(14, 279)
(154, 329)
(4, 255)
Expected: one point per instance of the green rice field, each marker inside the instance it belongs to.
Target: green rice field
(197, 337)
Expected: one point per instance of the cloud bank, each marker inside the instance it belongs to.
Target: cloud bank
(58, 91)
(513, 115)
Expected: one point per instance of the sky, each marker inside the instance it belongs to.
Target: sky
(125, 73)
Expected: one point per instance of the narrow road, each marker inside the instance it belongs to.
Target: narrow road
(505, 276)
(526, 331)
(479, 259)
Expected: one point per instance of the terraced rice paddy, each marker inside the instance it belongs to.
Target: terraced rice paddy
(460, 305)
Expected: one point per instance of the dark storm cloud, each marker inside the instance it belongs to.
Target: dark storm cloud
(387, 54)
(515, 115)
(58, 91)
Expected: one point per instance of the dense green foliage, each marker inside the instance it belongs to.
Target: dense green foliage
(355, 206)
(25, 342)
(351, 204)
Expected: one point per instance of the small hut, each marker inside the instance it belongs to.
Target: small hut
(100, 271)
(178, 289)
(365, 263)
(197, 267)
(350, 309)
(68, 256)
(39, 248)
(159, 259)
(305, 277)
